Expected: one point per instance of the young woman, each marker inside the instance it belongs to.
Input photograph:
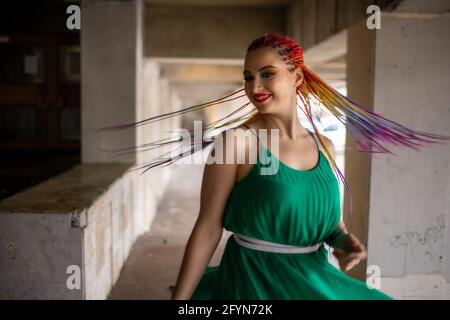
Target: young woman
(293, 211)
(280, 221)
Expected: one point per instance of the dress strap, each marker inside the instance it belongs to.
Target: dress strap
(307, 130)
(253, 130)
(314, 140)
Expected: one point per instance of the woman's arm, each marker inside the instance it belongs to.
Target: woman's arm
(335, 239)
(218, 181)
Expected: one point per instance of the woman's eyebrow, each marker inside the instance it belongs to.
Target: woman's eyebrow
(262, 68)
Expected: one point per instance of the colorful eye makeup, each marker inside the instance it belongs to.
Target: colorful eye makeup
(266, 72)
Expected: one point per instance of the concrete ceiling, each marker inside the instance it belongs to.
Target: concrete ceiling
(423, 6)
(231, 3)
(199, 82)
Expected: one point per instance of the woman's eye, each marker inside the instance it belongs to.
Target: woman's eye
(263, 75)
(266, 74)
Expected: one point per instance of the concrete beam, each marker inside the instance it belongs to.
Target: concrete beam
(214, 73)
(294, 21)
(221, 3)
(207, 32)
(326, 15)
(423, 6)
(309, 18)
(327, 50)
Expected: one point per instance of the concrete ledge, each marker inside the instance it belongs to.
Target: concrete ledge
(73, 191)
(68, 237)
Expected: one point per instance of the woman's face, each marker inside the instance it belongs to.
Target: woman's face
(269, 85)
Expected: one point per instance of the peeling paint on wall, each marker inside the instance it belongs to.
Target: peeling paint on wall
(426, 245)
(413, 238)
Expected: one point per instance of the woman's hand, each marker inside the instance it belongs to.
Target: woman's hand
(349, 251)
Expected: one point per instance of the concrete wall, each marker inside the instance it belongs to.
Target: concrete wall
(37, 249)
(115, 221)
(157, 97)
(409, 193)
(207, 32)
(310, 22)
(89, 217)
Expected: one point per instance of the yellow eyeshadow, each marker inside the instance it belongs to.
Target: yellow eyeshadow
(270, 69)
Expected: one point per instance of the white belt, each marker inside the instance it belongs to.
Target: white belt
(267, 246)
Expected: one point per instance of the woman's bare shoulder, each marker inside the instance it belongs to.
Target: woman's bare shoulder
(330, 145)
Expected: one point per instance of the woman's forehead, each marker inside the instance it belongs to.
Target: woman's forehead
(259, 58)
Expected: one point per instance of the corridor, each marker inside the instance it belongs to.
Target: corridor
(155, 258)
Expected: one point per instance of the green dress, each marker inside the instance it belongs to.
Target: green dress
(293, 207)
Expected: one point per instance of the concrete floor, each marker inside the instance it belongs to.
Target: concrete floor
(155, 259)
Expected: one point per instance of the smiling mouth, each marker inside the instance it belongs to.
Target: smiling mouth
(262, 98)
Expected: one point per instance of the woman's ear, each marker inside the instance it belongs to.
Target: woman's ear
(298, 77)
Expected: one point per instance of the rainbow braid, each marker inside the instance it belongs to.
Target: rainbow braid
(367, 128)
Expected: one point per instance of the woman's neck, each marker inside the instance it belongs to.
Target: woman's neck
(289, 127)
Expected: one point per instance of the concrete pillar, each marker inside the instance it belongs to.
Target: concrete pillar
(111, 51)
(402, 71)
(360, 48)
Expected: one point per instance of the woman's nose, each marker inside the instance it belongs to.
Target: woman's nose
(257, 86)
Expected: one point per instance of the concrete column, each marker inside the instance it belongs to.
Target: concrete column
(360, 55)
(407, 217)
(409, 201)
(111, 51)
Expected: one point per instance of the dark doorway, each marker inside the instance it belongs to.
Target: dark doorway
(39, 95)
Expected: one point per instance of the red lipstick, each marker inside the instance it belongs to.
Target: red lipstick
(261, 97)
